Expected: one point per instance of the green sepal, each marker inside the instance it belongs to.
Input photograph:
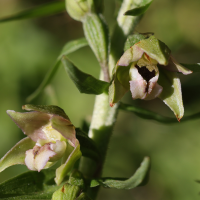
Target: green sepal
(119, 183)
(88, 147)
(29, 185)
(155, 49)
(192, 67)
(50, 109)
(96, 33)
(72, 156)
(69, 47)
(116, 91)
(84, 82)
(16, 155)
(139, 10)
(40, 11)
(135, 38)
(171, 94)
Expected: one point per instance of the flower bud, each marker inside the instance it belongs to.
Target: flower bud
(77, 8)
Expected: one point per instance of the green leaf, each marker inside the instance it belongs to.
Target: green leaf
(192, 67)
(118, 183)
(29, 185)
(70, 47)
(40, 11)
(88, 147)
(84, 82)
(146, 114)
(139, 10)
(171, 94)
(16, 155)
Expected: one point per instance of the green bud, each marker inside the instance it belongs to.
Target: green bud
(73, 190)
(67, 192)
(77, 8)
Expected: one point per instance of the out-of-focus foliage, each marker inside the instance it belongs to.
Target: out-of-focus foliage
(29, 48)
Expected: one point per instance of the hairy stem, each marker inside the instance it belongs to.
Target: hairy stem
(104, 116)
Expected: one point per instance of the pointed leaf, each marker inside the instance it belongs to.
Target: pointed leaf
(146, 114)
(70, 47)
(88, 147)
(65, 168)
(171, 94)
(192, 67)
(84, 82)
(139, 10)
(134, 181)
(29, 185)
(16, 155)
(40, 11)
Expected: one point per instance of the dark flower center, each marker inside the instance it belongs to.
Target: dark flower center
(145, 73)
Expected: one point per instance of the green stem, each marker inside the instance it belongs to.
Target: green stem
(101, 127)
(100, 131)
(104, 116)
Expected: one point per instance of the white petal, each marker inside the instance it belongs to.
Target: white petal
(59, 148)
(29, 160)
(157, 89)
(43, 156)
(133, 54)
(137, 84)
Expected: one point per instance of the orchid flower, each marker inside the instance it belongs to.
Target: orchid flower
(138, 70)
(50, 137)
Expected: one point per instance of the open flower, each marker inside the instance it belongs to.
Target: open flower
(51, 136)
(138, 70)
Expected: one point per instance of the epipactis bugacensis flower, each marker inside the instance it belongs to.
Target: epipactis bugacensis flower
(138, 70)
(51, 136)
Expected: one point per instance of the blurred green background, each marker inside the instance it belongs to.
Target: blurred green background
(29, 48)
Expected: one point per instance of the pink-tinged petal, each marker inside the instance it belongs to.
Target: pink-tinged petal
(156, 91)
(133, 54)
(31, 123)
(29, 160)
(138, 85)
(64, 127)
(42, 156)
(59, 148)
(174, 66)
(16, 155)
(74, 155)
